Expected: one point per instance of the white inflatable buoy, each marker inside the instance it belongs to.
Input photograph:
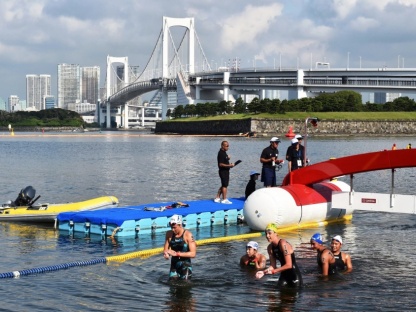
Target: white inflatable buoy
(294, 205)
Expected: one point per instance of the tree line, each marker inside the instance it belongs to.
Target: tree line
(55, 117)
(342, 101)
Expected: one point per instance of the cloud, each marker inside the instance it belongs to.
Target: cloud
(363, 24)
(244, 27)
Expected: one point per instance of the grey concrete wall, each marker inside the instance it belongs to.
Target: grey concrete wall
(266, 126)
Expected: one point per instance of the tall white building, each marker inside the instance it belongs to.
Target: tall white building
(90, 84)
(13, 103)
(37, 87)
(69, 85)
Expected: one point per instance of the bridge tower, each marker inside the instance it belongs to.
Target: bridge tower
(112, 76)
(173, 22)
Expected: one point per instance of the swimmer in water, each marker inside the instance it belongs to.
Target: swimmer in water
(343, 261)
(325, 258)
(280, 250)
(253, 259)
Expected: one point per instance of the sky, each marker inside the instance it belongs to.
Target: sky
(36, 35)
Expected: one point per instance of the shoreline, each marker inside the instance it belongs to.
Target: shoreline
(133, 134)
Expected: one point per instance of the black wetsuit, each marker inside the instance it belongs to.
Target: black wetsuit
(339, 263)
(180, 266)
(332, 266)
(291, 277)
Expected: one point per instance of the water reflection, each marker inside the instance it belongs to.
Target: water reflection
(180, 297)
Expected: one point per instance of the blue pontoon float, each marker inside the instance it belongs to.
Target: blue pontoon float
(131, 221)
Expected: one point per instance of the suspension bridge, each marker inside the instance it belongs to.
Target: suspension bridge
(178, 72)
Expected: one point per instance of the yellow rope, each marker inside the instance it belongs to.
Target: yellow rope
(150, 252)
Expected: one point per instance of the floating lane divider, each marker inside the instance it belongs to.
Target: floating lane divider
(136, 254)
(151, 252)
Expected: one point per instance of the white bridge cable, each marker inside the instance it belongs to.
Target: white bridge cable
(178, 57)
(202, 51)
(151, 59)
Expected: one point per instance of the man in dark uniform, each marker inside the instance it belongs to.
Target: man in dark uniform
(269, 160)
(295, 156)
(224, 166)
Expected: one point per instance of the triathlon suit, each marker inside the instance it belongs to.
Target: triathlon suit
(290, 277)
(332, 269)
(251, 263)
(180, 266)
(339, 263)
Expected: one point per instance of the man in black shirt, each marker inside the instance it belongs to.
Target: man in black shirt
(269, 160)
(224, 166)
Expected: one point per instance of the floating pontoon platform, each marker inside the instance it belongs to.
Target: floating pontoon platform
(131, 221)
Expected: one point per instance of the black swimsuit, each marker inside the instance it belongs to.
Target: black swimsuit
(180, 265)
(291, 277)
(332, 269)
(339, 263)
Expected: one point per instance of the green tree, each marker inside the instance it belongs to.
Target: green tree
(240, 107)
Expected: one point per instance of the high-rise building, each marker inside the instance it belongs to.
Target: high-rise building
(2, 104)
(49, 101)
(90, 87)
(69, 85)
(13, 103)
(37, 86)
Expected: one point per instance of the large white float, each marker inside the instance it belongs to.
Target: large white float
(312, 194)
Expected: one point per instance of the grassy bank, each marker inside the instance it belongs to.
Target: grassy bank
(322, 116)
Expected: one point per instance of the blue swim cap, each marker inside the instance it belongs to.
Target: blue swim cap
(317, 237)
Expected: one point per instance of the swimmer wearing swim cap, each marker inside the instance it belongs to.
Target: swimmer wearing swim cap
(342, 260)
(253, 259)
(325, 258)
(282, 250)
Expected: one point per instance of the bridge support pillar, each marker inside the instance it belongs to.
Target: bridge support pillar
(198, 89)
(262, 94)
(226, 88)
(142, 116)
(126, 116)
(164, 103)
(108, 115)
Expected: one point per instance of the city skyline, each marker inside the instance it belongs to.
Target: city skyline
(43, 33)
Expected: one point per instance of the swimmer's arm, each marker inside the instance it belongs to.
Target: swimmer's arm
(261, 264)
(287, 252)
(166, 246)
(326, 258)
(348, 263)
(189, 239)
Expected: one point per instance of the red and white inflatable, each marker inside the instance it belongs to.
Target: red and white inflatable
(307, 194)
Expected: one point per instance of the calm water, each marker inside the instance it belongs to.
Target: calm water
(147, 168)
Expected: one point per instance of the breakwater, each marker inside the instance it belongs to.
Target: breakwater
(281, 126)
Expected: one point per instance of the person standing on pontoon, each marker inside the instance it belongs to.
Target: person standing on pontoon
(269, 159)
(224, 166)
(181, 246)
